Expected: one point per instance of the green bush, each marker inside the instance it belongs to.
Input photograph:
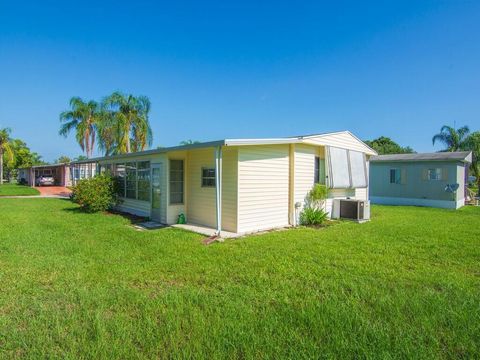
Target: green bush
(311, 216)
(95, 194)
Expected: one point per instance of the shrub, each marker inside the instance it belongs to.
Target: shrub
(316, 197)
(95, 194)
(312, 216)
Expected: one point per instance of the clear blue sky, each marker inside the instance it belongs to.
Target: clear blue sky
(223, 69)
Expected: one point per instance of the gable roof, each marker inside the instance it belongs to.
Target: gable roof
(465, 156)
(348, 141)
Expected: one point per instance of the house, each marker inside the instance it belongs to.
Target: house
(64, 174)
(430, 179)
(239, 185)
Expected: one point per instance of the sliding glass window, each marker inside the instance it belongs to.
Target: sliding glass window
(143, 180)
(176, 181)
(131, 183)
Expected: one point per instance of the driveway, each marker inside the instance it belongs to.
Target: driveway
(54, 191)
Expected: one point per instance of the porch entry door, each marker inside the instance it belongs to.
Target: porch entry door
(157, 170)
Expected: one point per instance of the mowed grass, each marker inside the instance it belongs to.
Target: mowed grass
(74, 285)
(17, 190)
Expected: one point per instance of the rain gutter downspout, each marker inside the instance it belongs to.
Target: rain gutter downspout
(218, 188)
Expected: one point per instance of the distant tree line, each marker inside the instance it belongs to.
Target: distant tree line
(15, 154)
(384, 145)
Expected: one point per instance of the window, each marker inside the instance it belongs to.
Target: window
(319, 171)
(143, 180)
(120, 174)
(131, 180)
(176, 181)
(208, 177)
(434, 174)
(395, 176)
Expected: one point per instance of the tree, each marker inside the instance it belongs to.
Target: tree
(452, 139)
(125, 125)
(6, 149)
(385, 145)
(22, 158)
(82, 118)
(189, 142)
(63, 160)
(472, 143)
(80, 158)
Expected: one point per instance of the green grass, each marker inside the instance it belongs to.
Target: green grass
(74, 285)
(17, 190)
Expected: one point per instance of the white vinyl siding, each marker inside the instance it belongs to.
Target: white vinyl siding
(136, 207)
(304, 171)
(263, 187)
(343, 140)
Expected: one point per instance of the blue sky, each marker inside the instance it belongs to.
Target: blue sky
(229, 69)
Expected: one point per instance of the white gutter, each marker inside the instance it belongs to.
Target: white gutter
(240, 142)
(218, 188)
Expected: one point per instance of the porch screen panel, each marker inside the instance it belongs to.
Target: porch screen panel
(339, 172)
(143, 180)
(120, 177)
(131, 183)
(358, 169)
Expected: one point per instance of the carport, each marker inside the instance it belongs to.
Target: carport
(60, 173)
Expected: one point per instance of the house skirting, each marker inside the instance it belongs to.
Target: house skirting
(445, 204)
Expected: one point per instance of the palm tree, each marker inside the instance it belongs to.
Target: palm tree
(452, 139)
(472, 143)
(128, 122)
(82, 117)
(6, 148)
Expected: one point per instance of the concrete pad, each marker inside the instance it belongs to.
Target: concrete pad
(204, 230)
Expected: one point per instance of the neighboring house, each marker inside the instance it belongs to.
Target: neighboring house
(239, 185)
(433, 179)
(64, 174)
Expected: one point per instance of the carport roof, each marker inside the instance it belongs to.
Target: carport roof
(45, 166)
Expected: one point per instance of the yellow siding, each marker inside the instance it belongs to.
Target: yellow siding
(173, 210)
(229, 189)
(263, 187)
(200, 200)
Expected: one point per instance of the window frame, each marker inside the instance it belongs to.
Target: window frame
(438, 174)
(203, 178)
(395, 170)
(170, 181)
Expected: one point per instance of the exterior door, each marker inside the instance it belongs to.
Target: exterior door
(157, 170)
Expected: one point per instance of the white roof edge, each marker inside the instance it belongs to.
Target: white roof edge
(266, 141)
(370, 152)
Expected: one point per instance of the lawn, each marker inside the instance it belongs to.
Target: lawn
(17, 190)
(74, 285)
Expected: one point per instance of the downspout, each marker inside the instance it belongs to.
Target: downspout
(218, 188)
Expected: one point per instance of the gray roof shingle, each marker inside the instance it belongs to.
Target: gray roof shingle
(439, 156)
